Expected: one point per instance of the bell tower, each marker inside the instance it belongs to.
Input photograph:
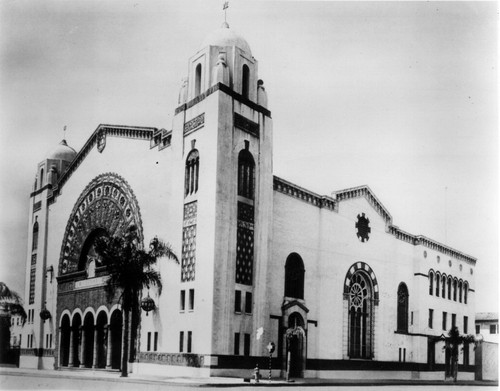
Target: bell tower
(223, 121)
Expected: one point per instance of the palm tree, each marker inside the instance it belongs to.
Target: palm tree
(10, 304)
(129, 268)
(452, 343)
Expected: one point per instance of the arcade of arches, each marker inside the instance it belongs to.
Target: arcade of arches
(91, 341)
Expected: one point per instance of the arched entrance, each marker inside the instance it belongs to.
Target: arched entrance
(65, 330)
(87, 342)
(74, 353)
(115, 336)
(101, 340)
(295, 345)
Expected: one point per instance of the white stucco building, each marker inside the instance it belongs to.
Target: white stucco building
(329, 279)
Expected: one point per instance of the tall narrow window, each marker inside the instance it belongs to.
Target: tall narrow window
(443, 286)
(246, 345)
(453, 320)
(149, 341)
(445, 317)
(35, 237)
(191, 300)
(466, 324)
(460, 291)
(246, 174)
(455, 286)
(449, 287)
(183, 300)
(402, 307)
(248, 302)
(431, 316)
(466, 288)
(236, 344)
(438, 279)
(181, 341)
(245, 81)
(360, 315)
(197, 82)
(294, 276)
(431, 283)
(192, 173)
(237, 301)
(189, 341)
(155, 348)
(41, 178)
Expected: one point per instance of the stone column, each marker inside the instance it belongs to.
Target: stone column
(96, 346)
(71, 361)
(60, 347)
(110, 346)
(82, 347)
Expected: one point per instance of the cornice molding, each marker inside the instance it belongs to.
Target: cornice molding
(282, 186)
(364, 191)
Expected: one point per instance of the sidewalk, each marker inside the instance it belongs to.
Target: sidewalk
(224, 381)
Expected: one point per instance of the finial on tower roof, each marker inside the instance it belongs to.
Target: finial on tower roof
(225, 7)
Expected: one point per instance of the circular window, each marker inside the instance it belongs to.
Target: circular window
(363, 228)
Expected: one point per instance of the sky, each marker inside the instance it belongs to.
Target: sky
(399, 96)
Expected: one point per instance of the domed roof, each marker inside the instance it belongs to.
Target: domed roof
(224, 36)
(62, 152)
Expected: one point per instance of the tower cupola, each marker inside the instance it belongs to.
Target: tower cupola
(225, 57)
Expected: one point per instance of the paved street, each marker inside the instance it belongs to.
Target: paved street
(22, 379)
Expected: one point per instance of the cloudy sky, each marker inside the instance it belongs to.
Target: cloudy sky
(400, 96)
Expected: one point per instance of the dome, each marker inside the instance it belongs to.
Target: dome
(62, 152)
(224, 36)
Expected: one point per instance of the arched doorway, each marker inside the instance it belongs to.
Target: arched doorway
(295, 345)
(115, 336)
(101, 342)
(65, 330)
(87, 341)
(74, 355)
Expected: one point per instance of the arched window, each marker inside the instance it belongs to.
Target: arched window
(455, 286)
(449, 287)
(192, 173)
(246, 174)
(460, 289)
(431, 282)
(35, 237)
(197, 80)
(466, 288)
(245, 81)
(360, 309)
(438, 279)
(41, 178)
(403, 307)
(294, 276)
(443, 286)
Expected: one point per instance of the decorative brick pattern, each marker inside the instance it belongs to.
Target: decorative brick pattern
(188, 260)
(177, 359)
(32, 283)
(245, 212)
(244, 256)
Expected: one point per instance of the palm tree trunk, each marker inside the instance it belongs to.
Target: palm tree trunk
(125, 344)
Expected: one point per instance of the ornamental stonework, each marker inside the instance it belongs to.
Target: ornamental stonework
(193, 124)
(188, 259)
(107, 204)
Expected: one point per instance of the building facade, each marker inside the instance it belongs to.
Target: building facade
(330, 280)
